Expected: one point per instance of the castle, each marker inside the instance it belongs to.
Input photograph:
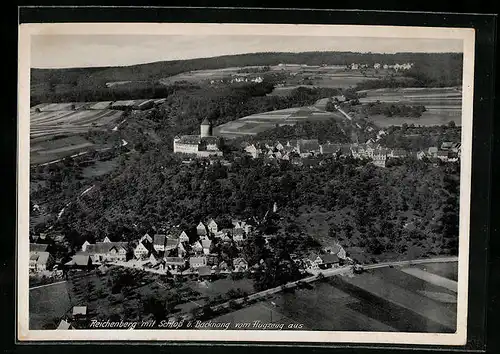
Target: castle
(202, 145)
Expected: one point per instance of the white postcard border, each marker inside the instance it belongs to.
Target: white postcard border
(22, 325)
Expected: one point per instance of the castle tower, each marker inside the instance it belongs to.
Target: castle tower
(205, 128)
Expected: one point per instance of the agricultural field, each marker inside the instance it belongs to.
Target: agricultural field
(43, 151)
(294, 75)
(383, 300)
(442, 104)
(260, 122)
(47, 305)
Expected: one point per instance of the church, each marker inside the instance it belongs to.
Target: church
(202, 145)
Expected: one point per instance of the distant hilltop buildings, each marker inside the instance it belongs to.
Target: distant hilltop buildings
(202, 145)
(396, 67)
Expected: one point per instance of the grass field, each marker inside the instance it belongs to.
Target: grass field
(48, 305)
(442, 104)
(221, 287)
(385, 299)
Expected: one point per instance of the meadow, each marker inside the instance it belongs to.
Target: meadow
(385, 299)
(47, 305)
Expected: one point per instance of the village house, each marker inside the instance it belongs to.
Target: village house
(212, 226)
(206, 246)
(80, 261)
(79, 312)
(238, 234)
(197, 262)
(442, 155)
(376, 66)
(204, 272)
(147, 238)
(308, 147)
(223, 266)
(159, 241)
(212, 259)
(143, 249)
(197, 247)
(40, 261)
(253, 151)
(105, 251)
(432, 151)
(201, 229)
(183, 237)
(397, 153)
(240, 265)
(175, 263)
(379, 157)
(171, 244)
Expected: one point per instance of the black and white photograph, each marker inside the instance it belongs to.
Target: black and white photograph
(306, 183)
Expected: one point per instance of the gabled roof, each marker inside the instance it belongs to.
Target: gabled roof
(442, 153)
(172, 243)
(197, 259)
(104, 247)
(206, 122)
(81, 259)
(189, 139)
(206, 243)
(205, 270)
(79, 310)
(64, 325)
(39, 257)
(312, 257)
(159, 239)
(197, 245)
(38, 247)
(211, 221)
(239, 260)
(329, 258)
(174, 260)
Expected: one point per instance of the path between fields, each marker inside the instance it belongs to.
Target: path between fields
(45, 285)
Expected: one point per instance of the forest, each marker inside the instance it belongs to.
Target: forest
(376, 204)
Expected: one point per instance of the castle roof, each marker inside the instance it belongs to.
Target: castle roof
(206, 122)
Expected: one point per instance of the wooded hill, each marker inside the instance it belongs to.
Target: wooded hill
(429, 67)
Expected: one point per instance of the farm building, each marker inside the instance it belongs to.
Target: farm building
(40, 261)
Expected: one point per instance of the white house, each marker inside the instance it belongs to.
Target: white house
(159, 242)
(212, 226)
(140, 251)
(201, 229)
(197, 247)
(197, 262)
(183, 237)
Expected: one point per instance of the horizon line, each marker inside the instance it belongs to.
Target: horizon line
(239, 54)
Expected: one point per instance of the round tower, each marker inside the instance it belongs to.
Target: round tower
(205, 128)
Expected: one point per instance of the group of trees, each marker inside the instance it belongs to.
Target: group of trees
(417, 138)
(392, 109)
(324, 131)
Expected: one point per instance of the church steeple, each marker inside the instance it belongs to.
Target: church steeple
(205, 128)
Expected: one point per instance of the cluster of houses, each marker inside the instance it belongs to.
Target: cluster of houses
(298, 150)
(396, 67)
(238, 79)
(171, 251)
